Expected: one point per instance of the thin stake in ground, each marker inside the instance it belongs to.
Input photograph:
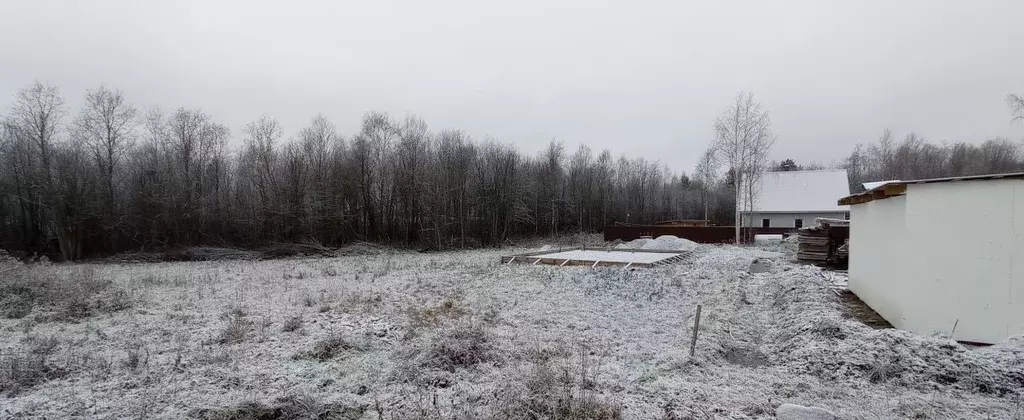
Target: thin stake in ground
(696, 326)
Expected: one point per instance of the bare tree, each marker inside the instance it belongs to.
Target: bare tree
(743, 138)
(294, 184)
(261, 142)
(318, 141)
(705, 174)
(412, 147)
(37, 113)
(580, 184)
(999, 155)
(855, 168)
(883, 155)
(1016, 103)
(604, 182)
(175, 181)
(106, 126)
(550, 182)
(370, 148)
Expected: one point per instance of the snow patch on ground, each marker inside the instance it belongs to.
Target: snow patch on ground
(765, 339)
(610, 256)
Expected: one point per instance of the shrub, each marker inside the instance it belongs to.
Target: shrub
(329, 271)
(42, 345)
(434, 315)
(359, 301)
(328, 348)
(236, 331)
(20, 371)
(463, 344)
(235, 312)
(564, 391)
(308, 300)
(136, 356)
(249, 410)
(15, 301)
(23, 370)
(70, 294)
(882, 370)
(306, 407)
(297, 274)
(292, 324)
(291, 407)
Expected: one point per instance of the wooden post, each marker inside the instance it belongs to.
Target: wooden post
(696, 326)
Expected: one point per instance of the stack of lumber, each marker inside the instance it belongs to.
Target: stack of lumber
(844, 251)
(813, 244)
(825, 221)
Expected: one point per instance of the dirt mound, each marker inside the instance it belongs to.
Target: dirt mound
(808, 334)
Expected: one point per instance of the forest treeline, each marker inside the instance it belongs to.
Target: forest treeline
(914, 158)
(108, 177)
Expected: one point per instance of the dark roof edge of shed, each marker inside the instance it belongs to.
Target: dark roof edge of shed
(897, 188)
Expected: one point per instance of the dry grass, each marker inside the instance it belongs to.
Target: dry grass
(550, 384)
(136, 356)
(236, 331)
(15, 300)
(432, 316)
(562, 388)
(292, 407)
(67, 295)
(360, 302)
(32, 366)
(442, 336)
(19, 371)
(331, 347)
(293, 323)
(458, 345)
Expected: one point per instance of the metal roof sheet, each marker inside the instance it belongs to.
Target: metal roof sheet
(800, 192)
(895, 188)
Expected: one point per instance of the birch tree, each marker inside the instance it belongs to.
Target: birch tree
(743, 138)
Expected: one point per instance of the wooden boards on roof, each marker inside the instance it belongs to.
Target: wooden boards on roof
(885, 191)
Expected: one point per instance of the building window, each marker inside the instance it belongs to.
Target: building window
(798, 223)
(847, 215)
(766, 222)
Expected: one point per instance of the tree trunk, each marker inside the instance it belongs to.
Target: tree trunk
(739, 193)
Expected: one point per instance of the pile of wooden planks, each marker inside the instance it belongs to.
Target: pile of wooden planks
(825, 243)
(844, 251)
(813, 244)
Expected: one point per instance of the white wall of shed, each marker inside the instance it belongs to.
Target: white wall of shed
(876, 250)
(944, 254)
(787, 219)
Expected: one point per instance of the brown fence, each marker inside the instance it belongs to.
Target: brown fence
(700, 234)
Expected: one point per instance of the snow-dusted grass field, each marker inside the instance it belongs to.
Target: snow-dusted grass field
(457, 335)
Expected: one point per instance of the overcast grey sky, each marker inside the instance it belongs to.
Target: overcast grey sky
(640, 78)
